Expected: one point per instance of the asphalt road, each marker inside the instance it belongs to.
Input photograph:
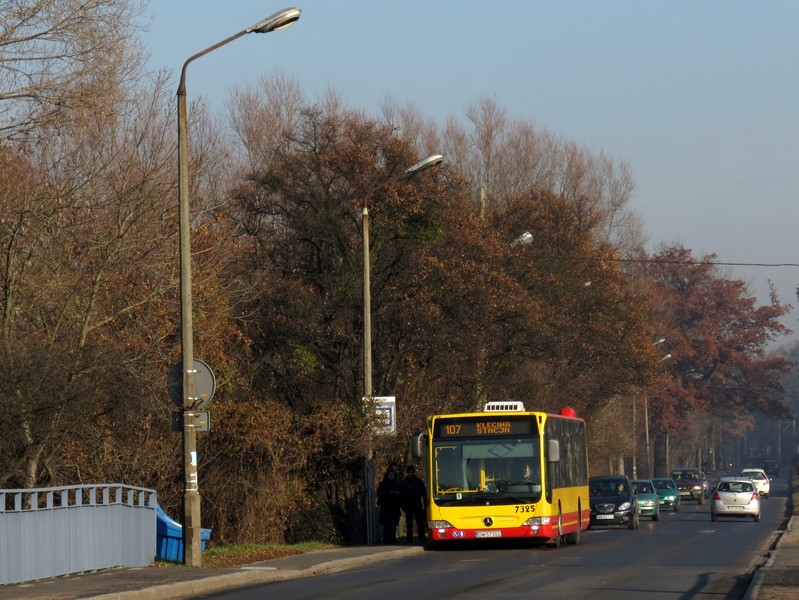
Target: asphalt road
(683, 555)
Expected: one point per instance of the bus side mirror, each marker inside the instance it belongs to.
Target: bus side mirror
(417, 443)
(553, 451)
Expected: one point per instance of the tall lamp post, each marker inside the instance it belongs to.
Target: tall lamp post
(646, 424)
(192, 547)
(371, 522)
(635, 433)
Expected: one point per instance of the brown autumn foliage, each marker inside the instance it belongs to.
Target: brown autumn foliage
(717, 336)
(462, 311)
(461, 314)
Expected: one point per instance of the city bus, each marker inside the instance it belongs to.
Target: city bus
(505, 473)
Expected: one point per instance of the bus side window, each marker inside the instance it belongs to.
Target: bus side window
(553, 451)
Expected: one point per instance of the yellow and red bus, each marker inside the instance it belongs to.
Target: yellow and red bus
(505, 473)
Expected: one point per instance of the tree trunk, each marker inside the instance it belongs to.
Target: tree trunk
(661, 455)
(33, 454)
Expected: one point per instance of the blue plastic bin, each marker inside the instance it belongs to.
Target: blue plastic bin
(169, 537)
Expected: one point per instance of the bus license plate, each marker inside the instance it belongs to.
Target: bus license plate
(488, 534)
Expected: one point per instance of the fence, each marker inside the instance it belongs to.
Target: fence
(47, 532)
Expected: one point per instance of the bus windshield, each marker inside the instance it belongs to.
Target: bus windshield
(502, 470)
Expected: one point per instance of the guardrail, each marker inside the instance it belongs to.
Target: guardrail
(47, 532)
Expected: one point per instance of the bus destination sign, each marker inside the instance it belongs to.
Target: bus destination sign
(479, 427)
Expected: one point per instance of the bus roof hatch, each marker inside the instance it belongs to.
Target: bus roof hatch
(507, 406)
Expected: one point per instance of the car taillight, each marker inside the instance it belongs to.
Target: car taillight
(755, 496)
(716, 496)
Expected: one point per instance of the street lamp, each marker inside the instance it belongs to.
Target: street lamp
(427, 163)
(526, 238)
(646, 423)
(192, 549)
(371, 524)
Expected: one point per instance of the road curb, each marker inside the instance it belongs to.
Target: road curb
(252, 575)
(753, 590)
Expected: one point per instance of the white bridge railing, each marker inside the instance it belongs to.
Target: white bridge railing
(47, 532)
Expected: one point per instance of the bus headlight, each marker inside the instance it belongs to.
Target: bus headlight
(439, 525)
(537, 521)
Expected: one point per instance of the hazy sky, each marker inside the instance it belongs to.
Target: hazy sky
(700, 98)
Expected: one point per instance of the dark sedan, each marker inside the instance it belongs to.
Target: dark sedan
(692, 484)
(613, 501)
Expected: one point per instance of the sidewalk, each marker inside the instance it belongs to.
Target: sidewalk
(162, 583)
(778, 578)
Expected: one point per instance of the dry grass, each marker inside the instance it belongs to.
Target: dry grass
(223, 557)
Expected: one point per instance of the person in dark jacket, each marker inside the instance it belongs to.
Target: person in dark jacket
(388, 499)
(414, 500)
(396, 468)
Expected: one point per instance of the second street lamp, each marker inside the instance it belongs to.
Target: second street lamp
(368, 395)
(635, 433)
(646, 423)
(192, 548)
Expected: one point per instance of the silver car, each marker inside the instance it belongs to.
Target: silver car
(735, 497)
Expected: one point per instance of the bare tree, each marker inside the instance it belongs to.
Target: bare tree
(85, 221)
(489, 121)
(505, 158)
(263, 117)
(61, 55)
(408, 122)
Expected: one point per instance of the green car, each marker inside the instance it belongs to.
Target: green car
(648, 500)
(668, 493)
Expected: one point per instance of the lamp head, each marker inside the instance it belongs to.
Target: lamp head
(525, 238)
(430, 161)
(279, 20)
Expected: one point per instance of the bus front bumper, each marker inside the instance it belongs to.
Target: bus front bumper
(449, 534)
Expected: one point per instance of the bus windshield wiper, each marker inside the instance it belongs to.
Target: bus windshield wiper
(469, 498)
(517, 499)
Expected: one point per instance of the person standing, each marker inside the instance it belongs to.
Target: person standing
(413, 494)
(388, 499)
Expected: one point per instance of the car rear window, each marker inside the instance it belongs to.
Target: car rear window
(736, 486)
(755, 474)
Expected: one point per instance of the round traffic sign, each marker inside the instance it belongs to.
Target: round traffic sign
(204, 384)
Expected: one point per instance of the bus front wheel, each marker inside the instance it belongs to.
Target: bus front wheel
(558, 538)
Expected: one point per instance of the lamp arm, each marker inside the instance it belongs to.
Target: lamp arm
(182, 86)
